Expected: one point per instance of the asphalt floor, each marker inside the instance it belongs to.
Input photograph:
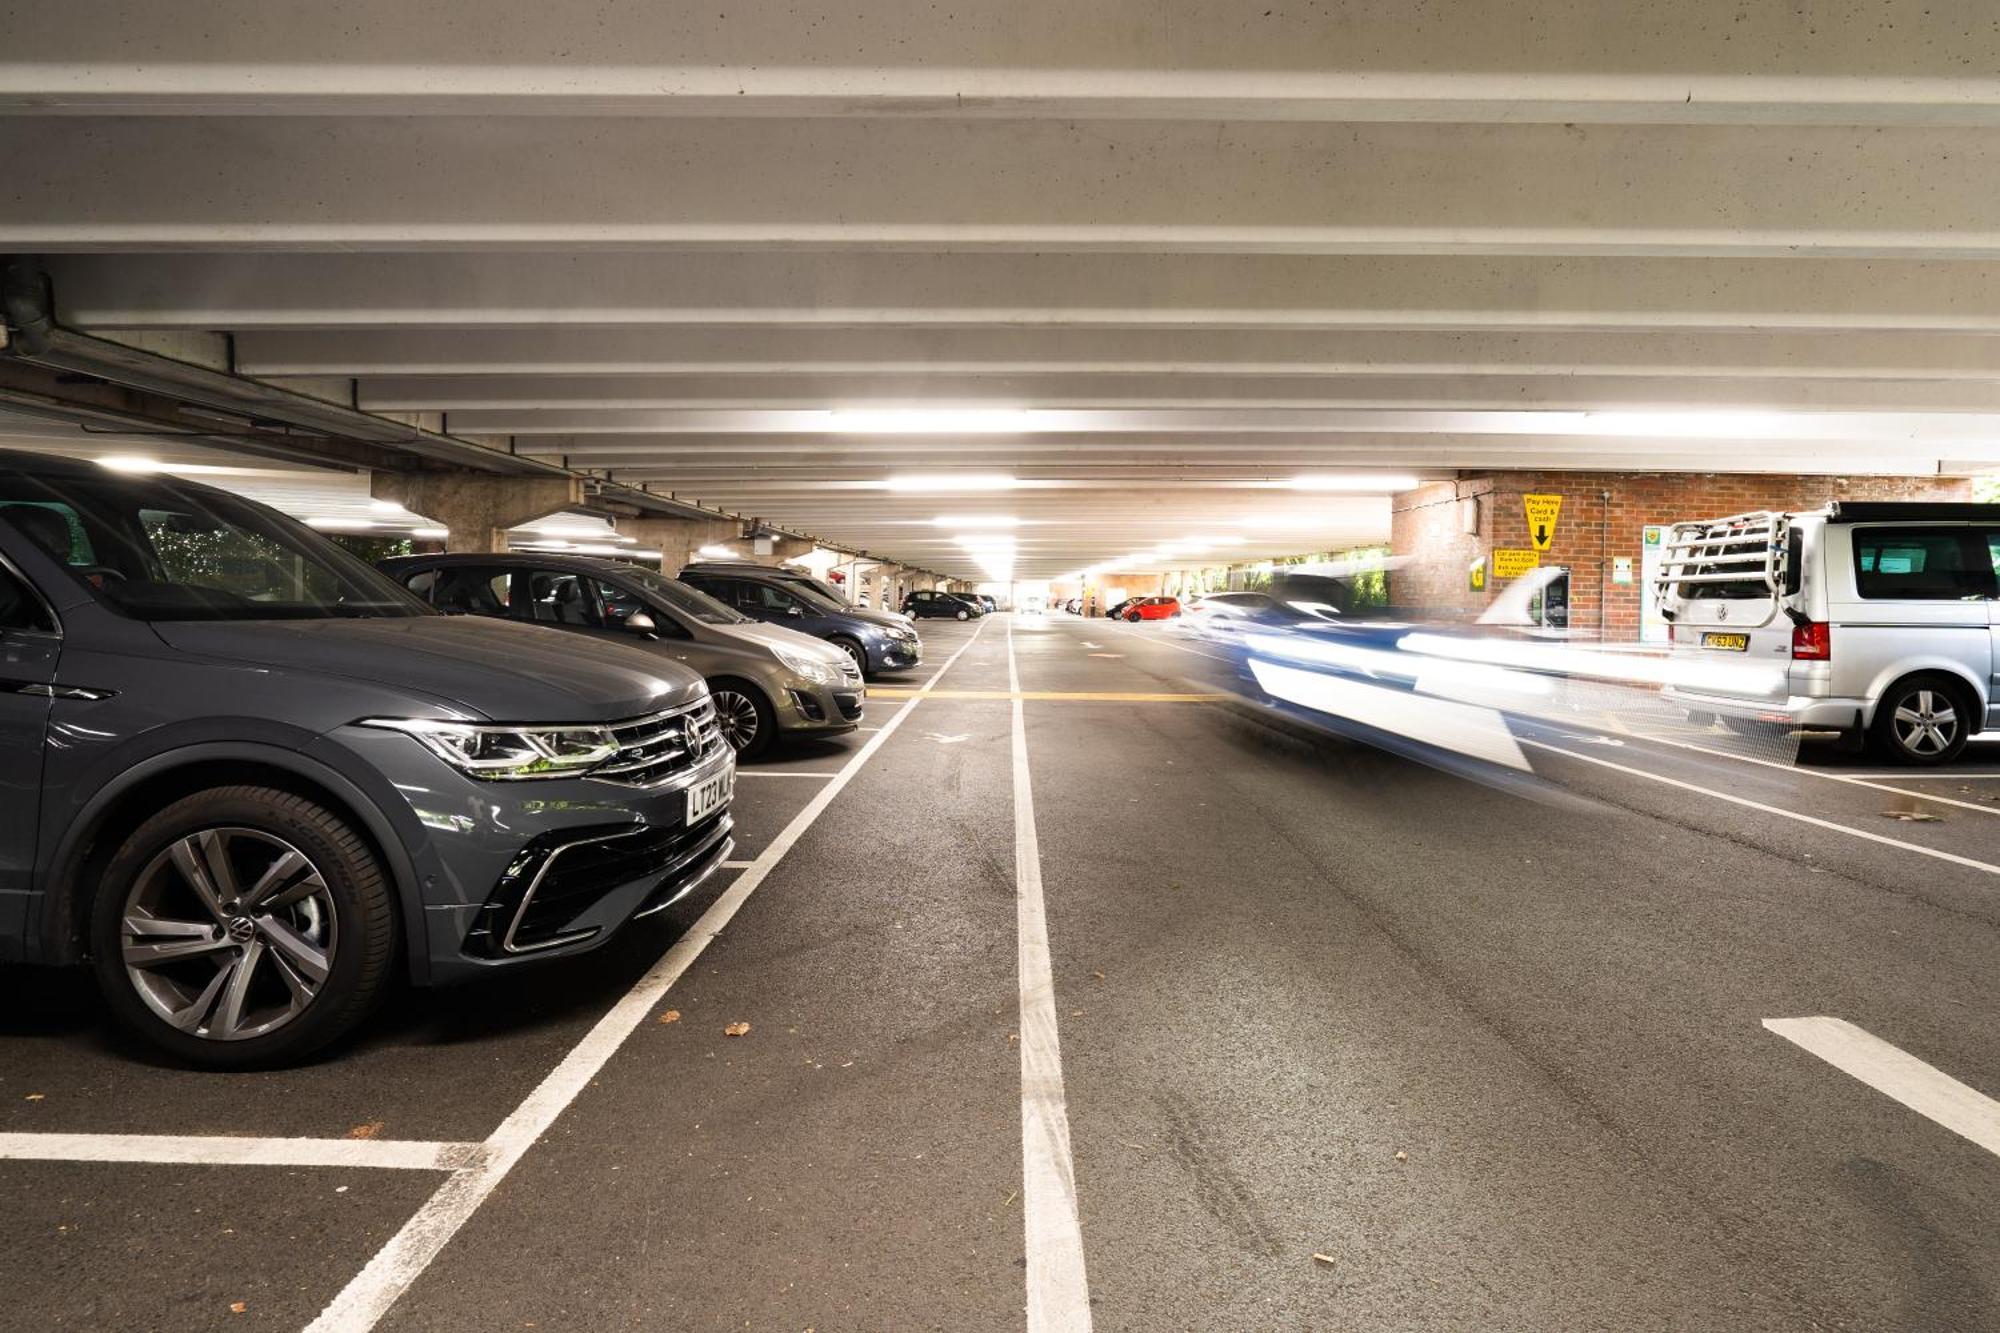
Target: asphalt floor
(1347, 1040)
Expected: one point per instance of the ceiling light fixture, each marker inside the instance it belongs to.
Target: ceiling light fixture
(715, 553)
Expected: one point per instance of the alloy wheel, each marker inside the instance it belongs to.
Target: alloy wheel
(736, 716)
(229, 933)
(860, 657)
(1925, 721)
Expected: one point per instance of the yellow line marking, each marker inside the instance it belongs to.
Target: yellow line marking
(1073, 696)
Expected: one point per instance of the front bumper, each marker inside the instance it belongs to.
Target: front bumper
(809, 708)
(896, 654)
(605, 854)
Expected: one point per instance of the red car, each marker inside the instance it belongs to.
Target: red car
(1152, 608)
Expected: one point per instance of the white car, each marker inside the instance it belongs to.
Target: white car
(1880, 621)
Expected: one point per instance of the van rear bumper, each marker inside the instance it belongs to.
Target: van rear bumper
(1806, 713)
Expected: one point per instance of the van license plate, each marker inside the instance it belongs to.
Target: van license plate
(1729, 643)
(705, 798)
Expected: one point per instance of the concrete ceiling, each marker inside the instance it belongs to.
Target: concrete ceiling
(1149, 260)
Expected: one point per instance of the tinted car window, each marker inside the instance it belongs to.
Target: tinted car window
(1919, 564)
(473, 590)
(156, 549)
(620, 604)
(767, 598)
(559, 598)
(19, 607)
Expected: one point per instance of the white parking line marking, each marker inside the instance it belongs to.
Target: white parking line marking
(1780, 811)
(1058, 1288)
(403, 1259)
(1852, 779)
(223, 1150)
(737, 865)
(1898, 1075)
(759, 773)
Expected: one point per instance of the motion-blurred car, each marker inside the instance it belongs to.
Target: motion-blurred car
(765, 680)
(1151, 608)
(986, 600)
(1117, 608)
(1233, 612)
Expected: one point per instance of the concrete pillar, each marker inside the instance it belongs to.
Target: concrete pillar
(783, 549)
(891, 581)
(677, 539)
(477, 507)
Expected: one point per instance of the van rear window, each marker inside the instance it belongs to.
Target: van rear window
(1923, 564)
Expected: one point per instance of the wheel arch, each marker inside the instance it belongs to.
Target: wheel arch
(1903, 671)
(120, 806)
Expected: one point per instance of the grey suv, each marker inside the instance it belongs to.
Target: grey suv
(248, 778)
(765, 680)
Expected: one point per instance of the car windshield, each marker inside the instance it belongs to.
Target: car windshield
(160, 549)
(689, 601)
(814, 596)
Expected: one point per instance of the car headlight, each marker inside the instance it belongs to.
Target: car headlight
(814, 670)
(508, 753)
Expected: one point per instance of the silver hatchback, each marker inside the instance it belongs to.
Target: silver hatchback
(1879, 621)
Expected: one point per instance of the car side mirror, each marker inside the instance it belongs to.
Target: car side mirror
(641, 623)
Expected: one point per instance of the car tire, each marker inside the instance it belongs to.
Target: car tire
(964, 615)
(746, 717)
(229, 982)
(1923, 720)
(856, 653)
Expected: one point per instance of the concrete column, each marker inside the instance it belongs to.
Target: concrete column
(677, 539)
(476, 507)
(891, 581)
(782, 549)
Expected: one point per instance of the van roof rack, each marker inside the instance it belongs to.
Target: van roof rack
(1876, 511)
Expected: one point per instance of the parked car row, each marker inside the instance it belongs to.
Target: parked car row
(250, 780)
(1132, 609)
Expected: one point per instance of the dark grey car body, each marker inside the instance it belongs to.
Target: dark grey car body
(104, 717)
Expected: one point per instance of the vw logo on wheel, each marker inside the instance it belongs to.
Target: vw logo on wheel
(242, 929)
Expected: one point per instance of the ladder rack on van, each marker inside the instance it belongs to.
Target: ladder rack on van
(1742, 548)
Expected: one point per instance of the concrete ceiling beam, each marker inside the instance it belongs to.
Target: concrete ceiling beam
(243, 291)
(389, 352)
(456, 184)
(1508, 59)
(1122, 391)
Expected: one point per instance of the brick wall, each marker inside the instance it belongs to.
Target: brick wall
(1604, 516)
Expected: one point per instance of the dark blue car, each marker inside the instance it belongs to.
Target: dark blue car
(877, 641)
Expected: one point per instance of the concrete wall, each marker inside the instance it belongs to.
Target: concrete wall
(1604, 516)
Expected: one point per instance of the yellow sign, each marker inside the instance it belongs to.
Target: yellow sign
(1542, 512)
(1476, 576)
(1512, 564)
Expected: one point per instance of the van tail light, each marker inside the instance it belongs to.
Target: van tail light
(1812, 642)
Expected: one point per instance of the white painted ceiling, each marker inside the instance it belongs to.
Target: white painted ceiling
(1150, 260)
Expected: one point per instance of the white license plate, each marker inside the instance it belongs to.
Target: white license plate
(708, 796)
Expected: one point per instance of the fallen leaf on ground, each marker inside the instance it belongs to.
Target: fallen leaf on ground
(33, 1097)
(671, 1016)
(1326, 1259)
(1913, 816)
(368, 1131)
(736, 1030)
(238, 1307)
(1098, 975)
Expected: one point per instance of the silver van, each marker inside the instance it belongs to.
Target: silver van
(1878, 621)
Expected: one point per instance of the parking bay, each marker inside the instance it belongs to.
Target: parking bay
(1277, 966)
